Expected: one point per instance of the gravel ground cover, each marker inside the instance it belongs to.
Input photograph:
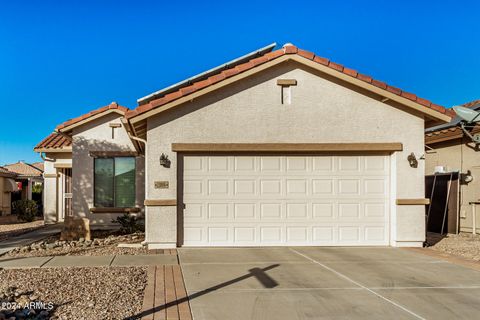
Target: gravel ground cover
(11, 227)
(102, 243)
(74, 293)
(464, 244)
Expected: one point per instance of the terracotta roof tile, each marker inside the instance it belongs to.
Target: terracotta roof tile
(111, 106)
(350, 72)
(23, 169)
(394, 90)
(335, 66)
(306, 54)
(4, 172)
(379, 84)
(54, 141)
(39, 165)
(409, 95)
(321, 60)
(287, 49)
(471, 103)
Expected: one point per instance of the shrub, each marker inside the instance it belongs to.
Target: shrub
(129, 223)
(26, 210)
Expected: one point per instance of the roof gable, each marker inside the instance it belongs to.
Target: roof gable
(55, 142)
(288, 52)
(92, 115)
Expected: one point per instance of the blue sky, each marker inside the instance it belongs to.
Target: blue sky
(61, 59)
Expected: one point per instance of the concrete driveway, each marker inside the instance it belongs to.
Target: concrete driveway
(326, 283)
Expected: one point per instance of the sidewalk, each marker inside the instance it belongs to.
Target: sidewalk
(88, 261)
(29, 237)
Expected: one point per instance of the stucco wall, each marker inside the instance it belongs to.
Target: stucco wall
(5, 199)
(97, 136)
(456, 155)
(51, 197)
(251, 112)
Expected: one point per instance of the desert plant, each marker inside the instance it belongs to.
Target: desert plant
(37, 188)
(26, 210)
(129, 223)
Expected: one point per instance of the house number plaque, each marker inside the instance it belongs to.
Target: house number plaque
(161, 184)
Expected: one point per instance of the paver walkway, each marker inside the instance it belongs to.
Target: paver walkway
(29, 237)
(88, 261)
(165, 296)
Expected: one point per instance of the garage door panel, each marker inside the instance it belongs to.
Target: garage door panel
(286, 200)
(269, 211)
(323, 187)
(349, 164)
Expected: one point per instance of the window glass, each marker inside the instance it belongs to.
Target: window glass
(104, 182)
(114, 182)
(124, 182)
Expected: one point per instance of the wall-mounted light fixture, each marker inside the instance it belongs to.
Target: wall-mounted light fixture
(466, 178)
(164, 161)
(412, 160)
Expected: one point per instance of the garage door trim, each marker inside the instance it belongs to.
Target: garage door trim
(287, 147)
(389, 196)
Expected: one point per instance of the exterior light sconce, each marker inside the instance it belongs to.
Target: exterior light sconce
(466, 178)
(164, 161)
(412, 160)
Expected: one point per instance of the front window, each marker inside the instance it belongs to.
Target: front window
(114, 182)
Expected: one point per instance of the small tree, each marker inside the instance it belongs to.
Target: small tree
(26, 210)
(129, 223)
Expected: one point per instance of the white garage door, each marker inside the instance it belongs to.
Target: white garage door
(286, 200)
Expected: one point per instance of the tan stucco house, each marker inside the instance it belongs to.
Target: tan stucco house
(7, 186)
(278, 147)
(450, 150)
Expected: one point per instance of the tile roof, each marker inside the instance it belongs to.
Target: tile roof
(286, 50)
(451, 130)
(474, 103)
(39, 165)
(54, 141)
(24, 169)
(111, 106)
(4, 172)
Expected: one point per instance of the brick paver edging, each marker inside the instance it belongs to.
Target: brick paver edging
(165, 297)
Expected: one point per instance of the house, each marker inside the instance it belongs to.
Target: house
(7, 186)
(278, 147)
(27, 176)
(450, 150)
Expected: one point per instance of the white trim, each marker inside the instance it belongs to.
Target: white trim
(393, 197)
(146, 188)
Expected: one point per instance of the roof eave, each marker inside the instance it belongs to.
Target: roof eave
(69, 128)
(53, 150)
(434, 115)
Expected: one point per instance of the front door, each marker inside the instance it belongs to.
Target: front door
(67, 193)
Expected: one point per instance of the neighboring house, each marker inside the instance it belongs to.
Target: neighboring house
(274, 148)
(7, 186)
(27, 176)
(450, 150)
(56, 150)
